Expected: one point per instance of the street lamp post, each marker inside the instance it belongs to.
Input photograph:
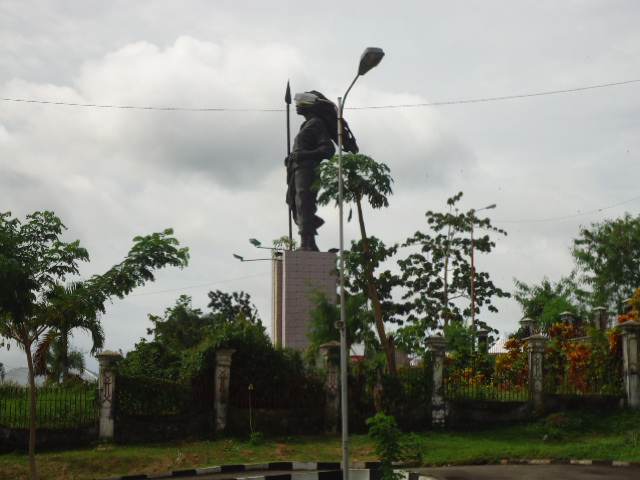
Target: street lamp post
(473, 272)
(369, 59)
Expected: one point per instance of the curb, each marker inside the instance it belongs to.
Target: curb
(328, 471)
(332, 470)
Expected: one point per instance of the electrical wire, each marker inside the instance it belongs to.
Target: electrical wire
(272, 110)
(198, 286)
(568, 216)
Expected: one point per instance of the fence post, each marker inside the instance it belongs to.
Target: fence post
(331, 359)
(527, 325)
(483, 340)
(600, 318)
(537, 349)
(438, 346)
(108, 362)
(630, 358)
(223, 380)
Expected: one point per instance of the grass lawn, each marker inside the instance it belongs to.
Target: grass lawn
(612, 436)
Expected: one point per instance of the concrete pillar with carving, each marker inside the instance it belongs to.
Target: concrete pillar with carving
(331, 361)
(630, 359)
(600, 318)
(527, 325)
(108, 362)
(438, 347)
(537, 350)
(483, 340)
(222, 379)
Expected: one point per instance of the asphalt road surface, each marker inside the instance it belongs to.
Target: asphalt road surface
(531, 472)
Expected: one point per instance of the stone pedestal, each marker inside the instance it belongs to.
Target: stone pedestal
(108, 362)
(302, 275)
(630, 359)
(537, 350)
(438, 347)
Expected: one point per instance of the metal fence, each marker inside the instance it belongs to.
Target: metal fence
(57, 407)
(251, 389)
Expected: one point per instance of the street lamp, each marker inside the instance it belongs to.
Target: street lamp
(370, 58)
(473, 273)
(242, 259)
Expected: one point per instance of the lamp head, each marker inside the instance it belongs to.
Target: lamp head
(254, 242)
(369, 59)
(238, 257)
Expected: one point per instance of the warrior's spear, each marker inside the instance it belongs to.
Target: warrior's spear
(287, 99)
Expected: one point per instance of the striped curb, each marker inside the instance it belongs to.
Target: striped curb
(332, 470)
(327, 471)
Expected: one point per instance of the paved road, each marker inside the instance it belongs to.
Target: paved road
(483, 472)
(531, 472)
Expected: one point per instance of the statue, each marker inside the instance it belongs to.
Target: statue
(313, 143)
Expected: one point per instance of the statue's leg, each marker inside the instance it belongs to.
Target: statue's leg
(307, 220)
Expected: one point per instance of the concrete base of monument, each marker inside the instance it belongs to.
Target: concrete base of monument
(297, 279)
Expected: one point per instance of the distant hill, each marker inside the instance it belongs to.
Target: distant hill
(20, 376)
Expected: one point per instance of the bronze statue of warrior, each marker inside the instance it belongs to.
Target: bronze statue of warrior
(313, 143)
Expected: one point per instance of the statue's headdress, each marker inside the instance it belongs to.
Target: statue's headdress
(328, 113)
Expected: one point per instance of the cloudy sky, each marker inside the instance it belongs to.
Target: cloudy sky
(212, 168)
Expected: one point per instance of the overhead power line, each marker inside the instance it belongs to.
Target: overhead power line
(269, 110)
(569, 216)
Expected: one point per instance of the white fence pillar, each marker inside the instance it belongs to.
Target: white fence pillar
(630, 359)
(108, 362)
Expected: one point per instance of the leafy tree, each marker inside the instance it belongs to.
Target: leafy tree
(231, 307)
(363, 179)
(608, 259)
(545, 302)
(182, 329)
(54, 356)
(34, 262)
(439, 274)
(325, 314)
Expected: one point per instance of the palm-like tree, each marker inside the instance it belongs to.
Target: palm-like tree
(364, 179)
(53, 356)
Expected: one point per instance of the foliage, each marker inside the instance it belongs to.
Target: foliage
(233, 307)
(61, 407)
(182, 329)
(363, 179)
(325, 314)
(512, 368)
(545, 302)
(151, 396)
(384, 430)
(34, 263)
(634, 312)
(608, 258)
(439, 273)
(578, 364)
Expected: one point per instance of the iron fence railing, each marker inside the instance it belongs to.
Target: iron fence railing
(57, 407)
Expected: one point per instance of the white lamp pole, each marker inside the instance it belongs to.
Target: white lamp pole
(369, 59)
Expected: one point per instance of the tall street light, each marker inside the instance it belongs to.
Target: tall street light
(473, 272)
(369, 59)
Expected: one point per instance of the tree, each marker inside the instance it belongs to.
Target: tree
(182, 329)
(439, 274)
(54, 356)
(231, 307)
(363, 179)
(545, 302)
(608, 259)
(34, 263)
(323, 318)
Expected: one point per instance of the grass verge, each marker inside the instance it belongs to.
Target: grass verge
(606, 436)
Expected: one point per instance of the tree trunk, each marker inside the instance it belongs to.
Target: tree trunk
(32, 412)
(375, 298)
